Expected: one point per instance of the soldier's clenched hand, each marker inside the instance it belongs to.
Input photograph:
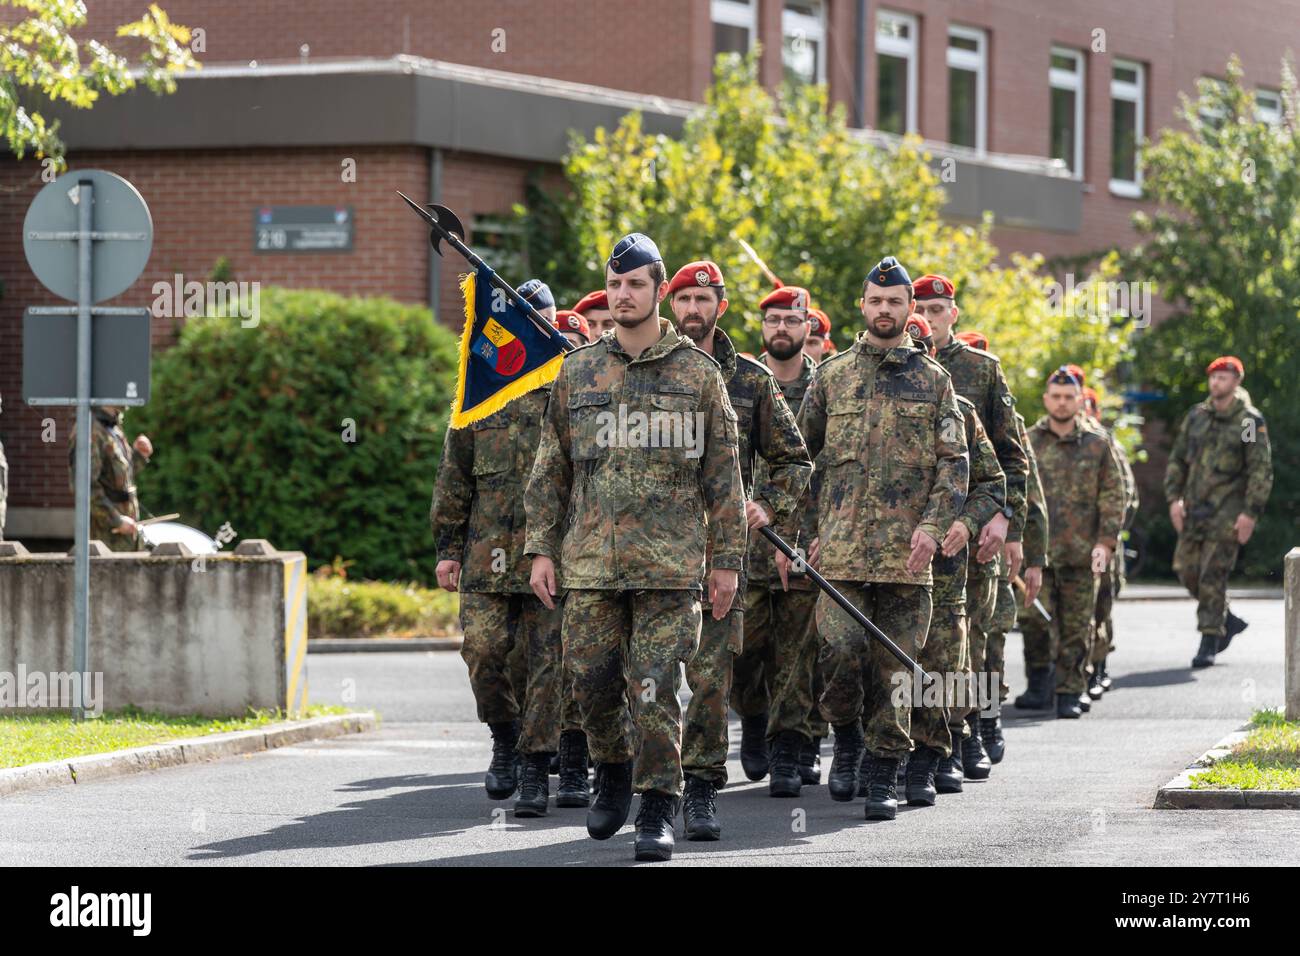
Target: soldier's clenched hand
(1244, 527)
(542, 580)
(126, 525)
(1033, 584)
(448, 573)
(923, 547)
(722, 590)
(143, 445)
(955, 539)
(756, 515)
(1177, 514)
(992, 538)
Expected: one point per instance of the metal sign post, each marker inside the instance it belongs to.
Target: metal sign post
(87, 265)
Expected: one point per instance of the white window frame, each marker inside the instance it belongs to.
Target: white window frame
(1132, 93)
(732, 13)
(906, 49)
(1271, 114)
(812, 28)
(1076, 83)
(977, 62)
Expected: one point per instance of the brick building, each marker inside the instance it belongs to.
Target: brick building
(1040, 102)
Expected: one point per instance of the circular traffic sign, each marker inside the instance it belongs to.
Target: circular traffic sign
(115, 262)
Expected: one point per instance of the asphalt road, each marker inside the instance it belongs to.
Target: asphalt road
(1068, 792)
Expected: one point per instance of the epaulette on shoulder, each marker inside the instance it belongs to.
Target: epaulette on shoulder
(963, 401)
(933, 363)
(700, 353)
(986, 356)
(832, 360)
(752, 364)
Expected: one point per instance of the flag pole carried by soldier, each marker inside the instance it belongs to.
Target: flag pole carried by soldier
(1217, 483)
(114, 463)
(883, 426)
(1085, 503)
(766, 432)
(619, 519)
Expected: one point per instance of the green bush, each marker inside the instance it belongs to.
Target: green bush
(248, 426)
(341, 608)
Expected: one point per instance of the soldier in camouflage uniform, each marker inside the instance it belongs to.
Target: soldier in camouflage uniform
(887, 436)
(477, 516)
(1218, 480)
(114, 507)
(637, 466)
(766, 431)
(1004, 613)
(1113, 580)
(777, 683)
(1085, 505)
(977, 376)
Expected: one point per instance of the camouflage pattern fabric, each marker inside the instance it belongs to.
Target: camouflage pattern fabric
(113, 467)
(1069, 594)
(1085, 493)
(945, 654)
(705, 742)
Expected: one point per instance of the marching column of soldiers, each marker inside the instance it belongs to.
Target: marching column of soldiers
(604, 534)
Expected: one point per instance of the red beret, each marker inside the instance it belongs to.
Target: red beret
(592, 300)
(932, 286)
(976, 340)
(787, 297)
(1090, 395)
(918, 323)
(569, 320)
(1226, 363)
(696, 275)
(822, 323)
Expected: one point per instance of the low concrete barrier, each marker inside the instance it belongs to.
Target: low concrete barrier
(169, 631)
(1291, 585)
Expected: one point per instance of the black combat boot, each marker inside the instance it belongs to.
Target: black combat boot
(1209, 647)
(843, 779)
(948, 774)
(810, 761)
(1085, 702)
(921, 790)
(610, 809)
(882, 789)
(1038, 696)
(975, 763)
(864, 771)
(902, 773)
(554, 765)
(1067, 705)
(574, 790)
(753, 746)
(1095, 690)
(1104, 676)
(783, 769)
(654, 827)
(700, 810)
(503, 772)
(1232, 626)
(991, 733)
(534, 786)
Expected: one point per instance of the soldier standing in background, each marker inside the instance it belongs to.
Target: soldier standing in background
(882, 423)
(817, 345)
(1085, 504)
(114, 507)
(766, 431)
(594, 307)
(1218, 480)
(625, 515)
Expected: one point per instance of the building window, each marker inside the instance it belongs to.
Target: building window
(1128, 99)
(1213, 116)
(967, 87)
(1268, 107)
(803, 42)
(735, 23)
(1066, 76)
(896, 43)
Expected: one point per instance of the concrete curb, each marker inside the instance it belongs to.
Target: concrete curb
(349, 645)
(1171, 592)
(1178, 794)
(90, 767)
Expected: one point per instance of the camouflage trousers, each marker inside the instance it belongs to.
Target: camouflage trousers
(1107, 591)
(981, 603)
(1070, 595)
(705, 742)
(862, 679)
(784, 622)
(946, 656)
(755, 668)
(620, 640)
(1004, 619)
(494, 626)
(1203, 565)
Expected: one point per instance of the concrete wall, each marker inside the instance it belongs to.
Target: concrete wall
(1291, 579)
(166, 636)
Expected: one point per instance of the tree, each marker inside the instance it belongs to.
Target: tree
(1224, 249)
(39, 52)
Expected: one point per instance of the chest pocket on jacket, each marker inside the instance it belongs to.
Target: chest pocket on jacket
(674, 428)
(493, 451)
(590, 430)
(846, 430)
(909, 434)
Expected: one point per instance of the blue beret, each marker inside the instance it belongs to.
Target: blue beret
(538, 294)
(632, 252)
(889, 272)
